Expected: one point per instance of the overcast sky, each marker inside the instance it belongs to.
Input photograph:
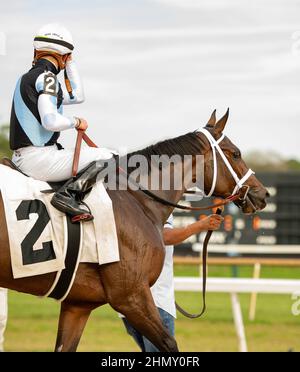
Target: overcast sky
(154, 69)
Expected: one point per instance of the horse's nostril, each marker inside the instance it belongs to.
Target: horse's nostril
(268, 194)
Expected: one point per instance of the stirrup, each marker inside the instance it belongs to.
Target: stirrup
(82, 218)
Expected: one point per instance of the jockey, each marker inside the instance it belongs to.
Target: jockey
(37, 118)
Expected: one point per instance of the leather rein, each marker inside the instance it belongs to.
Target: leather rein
(239, 194)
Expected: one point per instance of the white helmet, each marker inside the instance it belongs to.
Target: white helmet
(54, 37)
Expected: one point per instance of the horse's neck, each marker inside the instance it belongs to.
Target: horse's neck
(173, 197)
(156, 211)
(173, 194)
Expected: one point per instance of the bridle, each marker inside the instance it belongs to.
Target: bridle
(240, 192)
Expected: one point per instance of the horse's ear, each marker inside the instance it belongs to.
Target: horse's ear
(219, 127)
(212, 121)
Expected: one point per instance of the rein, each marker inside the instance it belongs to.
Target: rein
(229, 199)
(81, 135)
(204, 276)
(239, 194)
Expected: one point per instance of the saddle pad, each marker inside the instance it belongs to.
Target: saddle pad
(37, 231)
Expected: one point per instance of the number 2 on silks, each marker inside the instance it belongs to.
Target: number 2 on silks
(30, 256)
(50, 84)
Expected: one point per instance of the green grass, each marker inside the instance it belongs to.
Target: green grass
(33, 321)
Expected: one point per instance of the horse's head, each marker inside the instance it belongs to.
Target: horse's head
(232, 172)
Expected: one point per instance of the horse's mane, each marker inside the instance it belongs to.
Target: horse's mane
(188, 144)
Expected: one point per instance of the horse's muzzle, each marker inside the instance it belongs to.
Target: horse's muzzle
(255, 200)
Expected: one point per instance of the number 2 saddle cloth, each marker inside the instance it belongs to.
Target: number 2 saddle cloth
(38, 233)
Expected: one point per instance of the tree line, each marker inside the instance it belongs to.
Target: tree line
(4, 143)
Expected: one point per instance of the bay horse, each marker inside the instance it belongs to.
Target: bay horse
(125, 285)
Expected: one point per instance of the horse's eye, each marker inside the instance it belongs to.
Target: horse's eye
(237, 155)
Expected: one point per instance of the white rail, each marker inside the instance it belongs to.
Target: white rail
(238, 285)
(249, 249)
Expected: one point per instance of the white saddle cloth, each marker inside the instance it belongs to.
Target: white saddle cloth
(29, 231)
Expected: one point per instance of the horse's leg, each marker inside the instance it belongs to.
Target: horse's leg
(141, 312)
(72, 321)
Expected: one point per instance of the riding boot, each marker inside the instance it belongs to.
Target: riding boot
(69, 198)
(84, 183)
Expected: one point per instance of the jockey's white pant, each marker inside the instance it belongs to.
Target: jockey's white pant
(3, 315)
(52, 165)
